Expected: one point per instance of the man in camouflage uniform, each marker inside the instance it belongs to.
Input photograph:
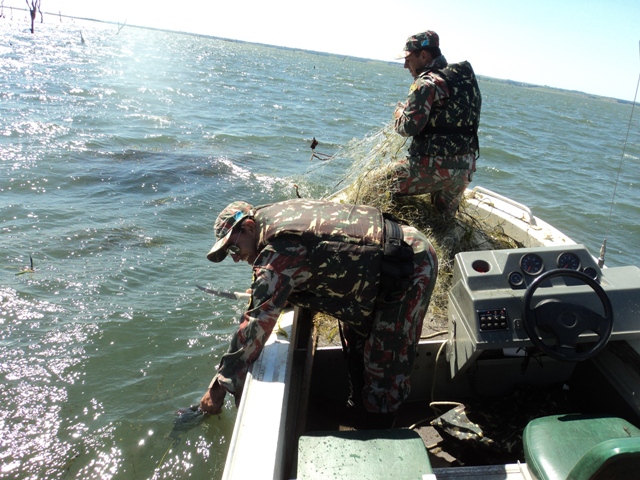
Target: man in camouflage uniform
(344, 260)
(441, 113)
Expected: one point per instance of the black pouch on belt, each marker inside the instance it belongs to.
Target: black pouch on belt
(397, 263)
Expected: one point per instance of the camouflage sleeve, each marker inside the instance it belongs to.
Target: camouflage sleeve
(424, 91)
(275, 275)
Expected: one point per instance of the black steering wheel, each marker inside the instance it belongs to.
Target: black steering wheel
(565, 320)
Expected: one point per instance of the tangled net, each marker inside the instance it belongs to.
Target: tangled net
(363, 163)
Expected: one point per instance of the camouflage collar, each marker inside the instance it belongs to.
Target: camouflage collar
(437, 63)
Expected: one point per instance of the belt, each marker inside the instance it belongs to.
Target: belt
(397, 263)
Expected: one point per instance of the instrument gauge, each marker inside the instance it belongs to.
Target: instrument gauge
(569, 260)
(592, 272)
(531, 263)
(516, 279)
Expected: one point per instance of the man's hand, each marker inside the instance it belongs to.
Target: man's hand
(212, 401)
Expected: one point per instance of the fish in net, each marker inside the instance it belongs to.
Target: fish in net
(185, 419)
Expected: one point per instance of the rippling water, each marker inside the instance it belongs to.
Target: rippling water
(116, 156)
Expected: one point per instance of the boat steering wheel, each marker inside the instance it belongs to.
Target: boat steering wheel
(565, 320)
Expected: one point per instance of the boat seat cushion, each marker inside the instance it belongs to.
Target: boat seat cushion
(362, 455)
(617, 459)
(577, 447)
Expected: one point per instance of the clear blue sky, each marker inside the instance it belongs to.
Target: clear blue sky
(585, 45)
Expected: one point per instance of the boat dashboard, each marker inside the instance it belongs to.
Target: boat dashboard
(494, 292)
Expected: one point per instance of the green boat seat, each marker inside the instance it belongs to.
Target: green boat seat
(363, 455)
(582, 447)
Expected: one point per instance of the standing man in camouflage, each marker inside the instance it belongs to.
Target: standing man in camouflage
(441, 114)
(348, 261)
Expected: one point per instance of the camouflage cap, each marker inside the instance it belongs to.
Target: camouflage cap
(420, 41)
(231, 216)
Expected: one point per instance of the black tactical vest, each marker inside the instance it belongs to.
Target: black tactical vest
(452, 129)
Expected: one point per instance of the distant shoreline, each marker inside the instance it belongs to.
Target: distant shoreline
(514, 83)
(549, 89)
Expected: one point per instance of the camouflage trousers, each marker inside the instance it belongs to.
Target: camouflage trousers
(417, 176)
(389, 351)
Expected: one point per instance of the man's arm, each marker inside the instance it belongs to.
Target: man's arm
(275, 276)
(213, 399)
(413, 116)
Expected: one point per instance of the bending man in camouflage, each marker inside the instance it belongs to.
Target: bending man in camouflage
(343, 260)
(441, 113)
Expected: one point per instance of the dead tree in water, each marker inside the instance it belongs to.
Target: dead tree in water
(33, 8)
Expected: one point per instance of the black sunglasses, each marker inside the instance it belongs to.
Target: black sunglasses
(235, 249)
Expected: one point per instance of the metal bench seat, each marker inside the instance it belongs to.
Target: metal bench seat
(363, 455)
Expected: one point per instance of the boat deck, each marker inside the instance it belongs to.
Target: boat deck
(501, 418)
(448, 461)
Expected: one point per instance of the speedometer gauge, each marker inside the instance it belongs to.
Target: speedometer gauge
(531, 263)
(569, 260)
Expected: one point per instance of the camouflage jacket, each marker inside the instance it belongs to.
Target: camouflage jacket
(442, 113)
(322, 255)
(344, 248)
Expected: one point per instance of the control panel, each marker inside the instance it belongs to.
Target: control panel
(486, 296)
(493, 319)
